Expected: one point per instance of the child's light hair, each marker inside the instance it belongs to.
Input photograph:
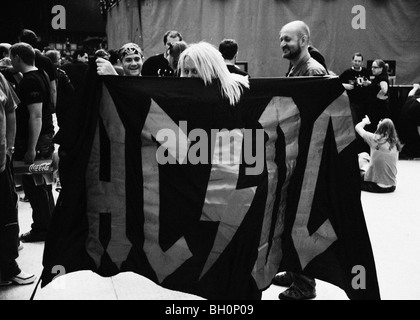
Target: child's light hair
(210, 66)
(386, 129)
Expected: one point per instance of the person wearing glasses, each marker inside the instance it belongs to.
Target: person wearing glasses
(378, 89)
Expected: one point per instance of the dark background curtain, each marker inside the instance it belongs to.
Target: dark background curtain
(392, 29)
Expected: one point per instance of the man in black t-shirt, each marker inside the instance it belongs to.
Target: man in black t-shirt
(355, 82)
(157, 66)
(35, 131)
(42, 62)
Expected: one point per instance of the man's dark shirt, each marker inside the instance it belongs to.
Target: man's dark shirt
(33, 88)
(157, 66)
(359, 93)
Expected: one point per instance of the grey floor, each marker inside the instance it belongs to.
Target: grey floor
(393, 222)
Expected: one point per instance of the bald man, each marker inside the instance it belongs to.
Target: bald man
(294, 42)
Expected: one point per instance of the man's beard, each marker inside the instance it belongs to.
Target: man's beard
(292, 54)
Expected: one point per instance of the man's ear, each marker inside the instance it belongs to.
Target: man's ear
(304, 40)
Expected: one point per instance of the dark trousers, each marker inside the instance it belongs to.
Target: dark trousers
(9, 227)
(42, 202)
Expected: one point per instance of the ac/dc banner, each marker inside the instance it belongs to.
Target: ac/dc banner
(161, 177)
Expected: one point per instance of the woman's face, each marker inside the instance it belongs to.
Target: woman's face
(189, 70)
(132, 65)
(376, 70)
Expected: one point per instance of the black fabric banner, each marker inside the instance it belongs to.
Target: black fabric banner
(162, 177)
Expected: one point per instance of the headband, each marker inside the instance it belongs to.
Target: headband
(129, 49)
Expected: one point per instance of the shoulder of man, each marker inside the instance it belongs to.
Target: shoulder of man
(315, 68)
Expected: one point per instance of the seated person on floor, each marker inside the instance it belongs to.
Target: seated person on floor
(379, 169)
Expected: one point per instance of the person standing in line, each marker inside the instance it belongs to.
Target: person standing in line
(157, 65)
(355, 81)
(229, 50)
(42, 62)
(9, 228)
(294, 42)
(34, 136)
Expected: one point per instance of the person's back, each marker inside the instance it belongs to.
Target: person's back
(229, 50)
(383, 163)
(77, 72)
(381, 173)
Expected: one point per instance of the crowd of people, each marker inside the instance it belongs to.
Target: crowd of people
(35, 85)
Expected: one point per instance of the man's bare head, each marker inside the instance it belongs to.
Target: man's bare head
(294, 39)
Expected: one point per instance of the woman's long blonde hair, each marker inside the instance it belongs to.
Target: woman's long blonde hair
(210, 66)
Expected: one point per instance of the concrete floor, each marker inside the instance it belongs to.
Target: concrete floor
(393, 222)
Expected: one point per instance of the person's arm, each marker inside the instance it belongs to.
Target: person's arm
(10, 132)
(383, 93)
(34, 126)
(53, 86)
(360, 127)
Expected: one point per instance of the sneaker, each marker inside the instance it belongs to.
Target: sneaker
(31, 237)
(294, 293)
(23, 278)
(284, 279)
